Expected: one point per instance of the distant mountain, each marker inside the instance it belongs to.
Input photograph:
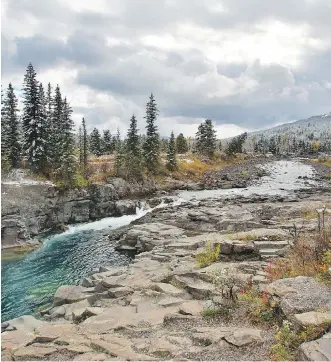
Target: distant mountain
(320, 126)
(306, 136)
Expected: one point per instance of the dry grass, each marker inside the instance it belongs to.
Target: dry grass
(310, 255)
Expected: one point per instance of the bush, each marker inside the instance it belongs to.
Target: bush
(260, 308)
(288, 340)
(209, 255)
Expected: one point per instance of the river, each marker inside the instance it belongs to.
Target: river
(28, 283)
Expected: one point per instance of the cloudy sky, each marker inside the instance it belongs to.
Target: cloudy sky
(246, 64)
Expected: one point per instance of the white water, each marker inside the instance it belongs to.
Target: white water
(283, 177)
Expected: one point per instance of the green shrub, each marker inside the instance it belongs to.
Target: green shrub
(208, 256)
(288, 340)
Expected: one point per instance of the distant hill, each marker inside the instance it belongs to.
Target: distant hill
(308, 135)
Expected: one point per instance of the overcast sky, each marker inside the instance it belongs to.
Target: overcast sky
(246, 64)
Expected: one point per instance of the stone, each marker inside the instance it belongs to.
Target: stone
(168, 289)
(197, 288)
(6, 356)
(117, 346)
(312, 318)
(170, 301)
(305, 294)
(25, 322)
(192, 307)
(12, 340)
(57, 312)
(244, 336)
(119, 292)
(318, 350)
(33, 352)
(92, 356)
(161, 347)
(67, 294)
(79, 315)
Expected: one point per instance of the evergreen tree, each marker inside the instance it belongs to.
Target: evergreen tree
(55, 149)
(68, 162)
(171, 154)
(85, 144)
(151, 147)
(95, 142)
(33, 143)
(236, 144)
(41, 119)
(206, 138)
(80, 146)
(119, 159)
(51, 130)
(133, 152)
(11, 128)
(107, 142)
(4, 132)
(181, 144)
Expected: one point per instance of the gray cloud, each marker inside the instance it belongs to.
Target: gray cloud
(108, 52)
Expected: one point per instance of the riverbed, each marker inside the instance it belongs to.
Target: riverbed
(29, 283)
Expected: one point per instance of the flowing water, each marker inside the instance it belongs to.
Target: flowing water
(29, 283)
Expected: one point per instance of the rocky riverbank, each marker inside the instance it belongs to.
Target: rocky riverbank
(157, 307)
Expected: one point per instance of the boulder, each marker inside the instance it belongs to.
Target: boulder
(168, 289)
(244, 336)
(318, 350)
(125, 207)
(192, 307)
(194, 286)
(26, 322)
(300, 295)
(312, 319)
(119, 292)
(67, 294)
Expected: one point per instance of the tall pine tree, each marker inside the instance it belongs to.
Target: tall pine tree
(55, 149)
(171, 154)
(107, 142)
(95, 142)
(33, 143)
(85, 144)
(206, 138)
(181, 144)
(11, 128)
(133, 153)
(151, 147)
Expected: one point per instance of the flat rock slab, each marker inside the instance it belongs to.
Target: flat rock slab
(192, 307)
(67, 294)
(32, 352)
(168, 289)
(318, 350)
(300, 295)
(312, 318)
(26, 323)
(244, 336)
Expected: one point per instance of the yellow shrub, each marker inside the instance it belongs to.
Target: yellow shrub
(209, 255)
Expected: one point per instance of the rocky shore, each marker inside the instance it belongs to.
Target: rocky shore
(155, 308)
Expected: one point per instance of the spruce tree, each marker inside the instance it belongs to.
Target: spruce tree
(56, 145)
(41, 119)
(95, 142)
(51, 130)
(80, 147)
(133, 152)
(151, 147)
(11, 128)
(119, 159)
(32, 144)
(206, 138)
(68, 162)
(4, 133)
(85, 144)
(181, 144)
(171, 154)
(107, 142)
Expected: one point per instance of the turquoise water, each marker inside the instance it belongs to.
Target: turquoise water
(30, 282)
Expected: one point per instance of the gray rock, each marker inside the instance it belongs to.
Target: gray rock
(300, 295)
(318, 350)
(67, 294)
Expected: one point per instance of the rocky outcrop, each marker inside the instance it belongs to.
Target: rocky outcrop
(28, 210)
